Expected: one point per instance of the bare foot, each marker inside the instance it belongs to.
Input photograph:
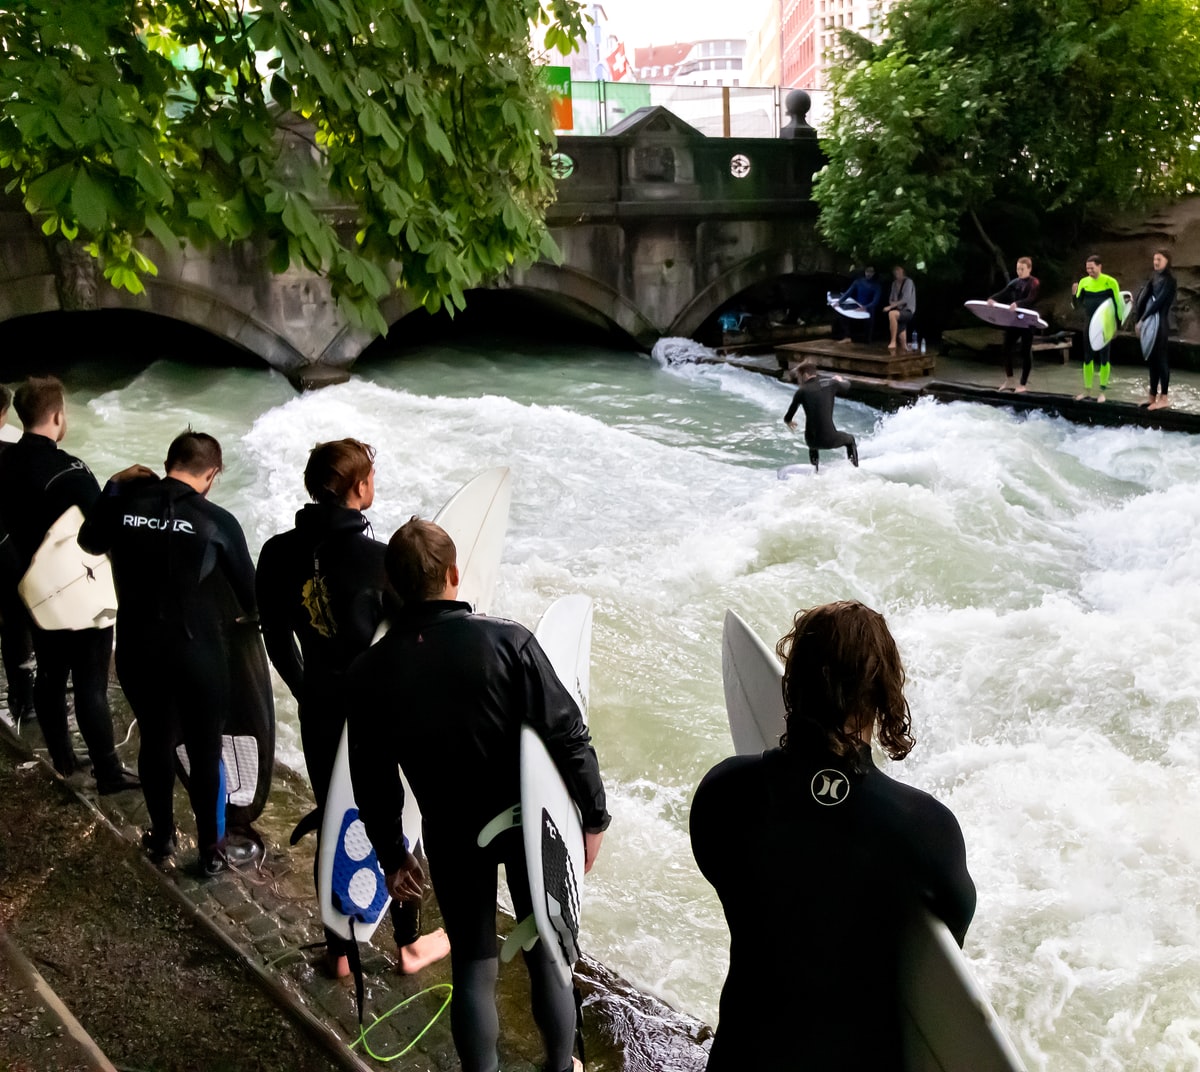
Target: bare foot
(1005, 384)
(1021, 389)
(1083, 398)
(337, 967)
(426, 950)
(891, 347)
(1101, 398)
(1162, 403)
(576, 1065)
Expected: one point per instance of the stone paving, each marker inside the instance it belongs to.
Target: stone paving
(268, 915)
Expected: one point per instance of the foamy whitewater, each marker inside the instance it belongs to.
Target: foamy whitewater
(1043, 582)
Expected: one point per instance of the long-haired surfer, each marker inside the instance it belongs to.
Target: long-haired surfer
(39, 482)
(322, 583)
(1020, 291)
(176, 556)
(820, 859)
(1091, 292)
(1156, 299)
(817, 396)
(446, 692)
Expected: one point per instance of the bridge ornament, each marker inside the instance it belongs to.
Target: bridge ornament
(739, 166)
(561, 165)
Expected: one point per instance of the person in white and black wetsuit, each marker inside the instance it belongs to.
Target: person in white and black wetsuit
(323, 584)
(176, 558)
(1021, 291)
(816, 396)
(445, 693)
(820, 860)
(1156, 298)
(39, 482)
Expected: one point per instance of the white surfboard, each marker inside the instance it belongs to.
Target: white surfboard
(950, 1025)
(550, 821)
(350, 883)
(1002, 316)
(854, 311)
(65, 587)
(1103, 326)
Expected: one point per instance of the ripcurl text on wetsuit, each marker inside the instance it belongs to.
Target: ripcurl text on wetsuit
(177, 558)
(819, 864)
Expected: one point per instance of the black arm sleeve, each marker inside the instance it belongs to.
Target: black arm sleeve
(99, 524)
(282, 649)
(949, 890)
(374, 772)
(791, 412)
(236, 561)
(551, 711)
(1164, 299)
(1006, 295)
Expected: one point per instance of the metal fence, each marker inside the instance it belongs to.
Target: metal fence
(716, 111)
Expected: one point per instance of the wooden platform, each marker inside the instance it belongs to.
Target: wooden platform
(875, 361)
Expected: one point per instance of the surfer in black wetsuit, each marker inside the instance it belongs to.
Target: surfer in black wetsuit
(445, 693)
(38, 483)
(1156, 298)
(821, 861)
(16, 643)
(1019, 292)
(816, 396)
(322, 583)
(176, 558)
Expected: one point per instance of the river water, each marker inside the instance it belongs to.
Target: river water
(1043, 582)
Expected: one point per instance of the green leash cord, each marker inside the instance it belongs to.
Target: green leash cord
(379, 1019)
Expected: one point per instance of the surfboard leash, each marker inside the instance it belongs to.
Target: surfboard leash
(364, 1031)
(579, 1023)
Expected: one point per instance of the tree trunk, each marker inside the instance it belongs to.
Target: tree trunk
(994, 249)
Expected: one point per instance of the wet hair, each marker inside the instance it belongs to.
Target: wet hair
(5, 398)
(1094, 258)
(806, 368)
(417, 559)
(1160, 252)
(38, 399)
(336, 468)
(1025, 260)
(842, 675)
(195, 453)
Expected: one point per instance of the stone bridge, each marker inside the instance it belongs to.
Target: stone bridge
(659, 226)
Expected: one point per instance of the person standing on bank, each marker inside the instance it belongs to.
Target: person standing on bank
(445, 693)
(16, 643)
(323, 584)
(901, 307)
(173, 552)
(1091, 292)
(1019, 292)
(834, 860)
(39, 482)
(1156, 299)
(816, 396)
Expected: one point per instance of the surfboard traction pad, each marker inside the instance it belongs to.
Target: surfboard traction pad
(359, 889)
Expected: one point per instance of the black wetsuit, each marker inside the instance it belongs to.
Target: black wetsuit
(816, 396)
(322, 584)
(38, 483)
(16, 642)
(1023, 292)
(1157, 296)
(445, 694)
(172, 550)
(818, 867)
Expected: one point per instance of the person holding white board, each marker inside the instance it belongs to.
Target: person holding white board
(445, 694)
(1020, 292)
(1092, 292)
(821, 860)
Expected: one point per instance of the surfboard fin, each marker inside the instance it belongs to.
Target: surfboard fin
(506, 820)
(524, 936)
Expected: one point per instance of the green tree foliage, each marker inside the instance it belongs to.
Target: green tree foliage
(360, 138)
(1051, 105)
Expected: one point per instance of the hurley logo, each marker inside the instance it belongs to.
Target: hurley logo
(830, 787)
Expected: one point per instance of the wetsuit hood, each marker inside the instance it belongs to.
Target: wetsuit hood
(317, 522)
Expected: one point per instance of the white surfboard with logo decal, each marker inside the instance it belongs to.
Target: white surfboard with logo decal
(950, 1025)
(65, 587)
